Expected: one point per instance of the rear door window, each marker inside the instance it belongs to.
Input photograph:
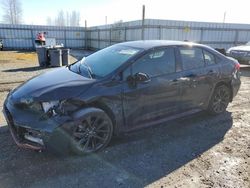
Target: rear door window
(192, 58)
(155, 63)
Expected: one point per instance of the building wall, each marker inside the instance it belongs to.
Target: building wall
(216, 35)
(23, 36)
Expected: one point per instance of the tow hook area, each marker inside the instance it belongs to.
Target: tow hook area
(31, 138)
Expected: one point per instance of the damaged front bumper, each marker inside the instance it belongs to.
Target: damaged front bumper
(30, 131)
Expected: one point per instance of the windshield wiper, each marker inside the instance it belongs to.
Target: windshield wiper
(89, 70)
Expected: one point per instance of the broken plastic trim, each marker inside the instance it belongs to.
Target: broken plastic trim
(47, 106)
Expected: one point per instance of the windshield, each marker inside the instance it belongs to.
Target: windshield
(104, 61)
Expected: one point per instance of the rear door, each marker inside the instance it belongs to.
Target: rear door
(156, 98)
(195, 86)
(212, 67)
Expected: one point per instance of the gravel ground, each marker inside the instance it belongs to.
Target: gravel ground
(196, 151)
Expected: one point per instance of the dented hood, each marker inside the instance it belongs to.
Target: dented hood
(58, 84)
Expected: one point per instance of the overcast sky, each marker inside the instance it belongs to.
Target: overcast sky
(94, 11)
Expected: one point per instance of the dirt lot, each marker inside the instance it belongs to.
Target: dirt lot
(197, 151)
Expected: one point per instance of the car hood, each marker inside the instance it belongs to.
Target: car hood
(240, 48)
(58, 84)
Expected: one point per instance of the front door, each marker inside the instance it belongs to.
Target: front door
(149, 100)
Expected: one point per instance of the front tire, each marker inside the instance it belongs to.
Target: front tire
(92, 131)
(220, 100)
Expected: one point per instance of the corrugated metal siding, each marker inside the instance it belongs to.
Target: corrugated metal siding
(18, 43)
(228, 36)
(151, 34)
(75, 34)
(23, 36)
(104, 35)
(181, 34)
(104, 44)
(217, 35)
(94, 35)
(75, 43)
(244, 36)
(94, 44)
(118, 35)
(12, 34)
(133, 34)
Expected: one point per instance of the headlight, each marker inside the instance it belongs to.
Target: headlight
(64, 107)
(29, 103)
(26, 101)
(47, 106)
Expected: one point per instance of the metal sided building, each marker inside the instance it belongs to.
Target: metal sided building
(216, 35)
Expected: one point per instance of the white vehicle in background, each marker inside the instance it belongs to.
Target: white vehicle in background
(241, 53)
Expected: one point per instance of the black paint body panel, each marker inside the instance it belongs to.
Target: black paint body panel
(130, 106)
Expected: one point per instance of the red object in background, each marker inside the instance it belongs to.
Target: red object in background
(41, 37)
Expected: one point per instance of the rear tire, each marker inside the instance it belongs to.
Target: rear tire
(219, 100)
(92, 131)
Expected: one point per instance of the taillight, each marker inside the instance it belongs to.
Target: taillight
(237, 66)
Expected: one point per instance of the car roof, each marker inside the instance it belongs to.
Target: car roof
(147, 44)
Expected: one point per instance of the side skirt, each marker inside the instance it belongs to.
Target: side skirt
(163, 120)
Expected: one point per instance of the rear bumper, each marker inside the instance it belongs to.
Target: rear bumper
(235, 87)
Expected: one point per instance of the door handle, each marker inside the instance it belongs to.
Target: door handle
(181, 79)
(184, 79)
(191, 75)
(211, 72)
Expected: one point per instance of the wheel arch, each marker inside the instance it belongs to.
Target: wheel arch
(227, 84)
(101, 105)
(78, 117)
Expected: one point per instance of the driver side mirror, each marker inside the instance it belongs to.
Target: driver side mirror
(138, 78)
(141, 77)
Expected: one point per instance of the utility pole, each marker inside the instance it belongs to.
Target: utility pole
(224, 17)
(106, 20)
(86, 35)
(143, 20)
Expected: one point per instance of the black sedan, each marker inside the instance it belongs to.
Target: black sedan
(118, 89)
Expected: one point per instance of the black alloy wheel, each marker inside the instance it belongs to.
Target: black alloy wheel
(219, 100)
(92, 133)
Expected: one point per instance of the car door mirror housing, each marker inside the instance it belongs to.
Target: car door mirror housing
(141, 77)
(138, 78)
